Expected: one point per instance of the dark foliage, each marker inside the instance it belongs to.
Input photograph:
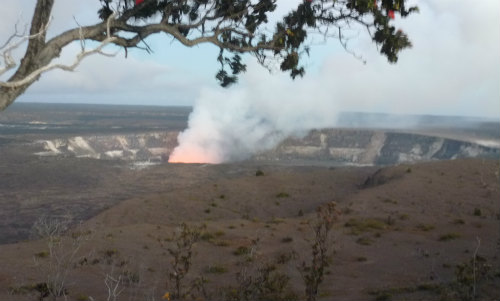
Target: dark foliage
(238, 26)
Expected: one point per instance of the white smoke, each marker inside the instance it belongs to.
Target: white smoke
(233, 124)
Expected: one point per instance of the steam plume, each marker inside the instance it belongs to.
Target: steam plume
(231, 125)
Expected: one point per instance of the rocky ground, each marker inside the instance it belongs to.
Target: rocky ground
(402, 234)
(105, 229)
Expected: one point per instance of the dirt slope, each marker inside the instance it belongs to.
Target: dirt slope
(402, 231)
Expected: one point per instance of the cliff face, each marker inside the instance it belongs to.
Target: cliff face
(330, 146)
(131, 147)
(366, 147)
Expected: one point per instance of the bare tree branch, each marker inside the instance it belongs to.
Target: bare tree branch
(83, 54)
(11, 45)
(232, 26)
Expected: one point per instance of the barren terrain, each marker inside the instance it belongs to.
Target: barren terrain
(410, 231)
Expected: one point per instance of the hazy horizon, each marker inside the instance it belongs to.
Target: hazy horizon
(24, 102)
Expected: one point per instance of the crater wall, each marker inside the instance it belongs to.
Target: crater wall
(326, 146)
(372, 147)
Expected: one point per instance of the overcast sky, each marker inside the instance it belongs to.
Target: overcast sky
(452, 69)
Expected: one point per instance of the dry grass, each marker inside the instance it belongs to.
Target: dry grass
(433, 204)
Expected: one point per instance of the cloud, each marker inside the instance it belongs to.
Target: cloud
(453, 68)
(101, 79)
(449, 71)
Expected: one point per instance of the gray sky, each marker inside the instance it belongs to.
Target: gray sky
(453, 68)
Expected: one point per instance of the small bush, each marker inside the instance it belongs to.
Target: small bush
(110, 253)
(283, 258)
(207, 236)
(287, 239)
(241, 250)
(449, 236)
(282, 195)
(220, 243)
(425, 227)
(390, 201)
(259, 173)
(43, 254)
(428, 287)
(477, 212)
(276, 221)
(384, 296)
(216, 269)
(82, 297)
(131, 277)
(468, 278)
(21, 290)
(347, 210)
(359, 226)
(365, 241)
(404, 216)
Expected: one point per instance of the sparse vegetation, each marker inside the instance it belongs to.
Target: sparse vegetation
(62, 255)
(42, 254)
(82, 297)
(283, 258)
(365, 241)
(358, 226)
(449, 236)
(477, 212)
(263, 282)
(242, 250)
(312, 273)
(390, 293)
(282, 195)
(425, 227)
(220, 243)
(282, 251)
(404, 216)
(468, 277)
(181, 253)
(276, 221)
(216, 269)
(390, 201)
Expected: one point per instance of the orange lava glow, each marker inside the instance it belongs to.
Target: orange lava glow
(190, 156)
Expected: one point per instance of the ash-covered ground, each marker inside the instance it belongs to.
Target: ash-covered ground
(414, 200)
(81, 159)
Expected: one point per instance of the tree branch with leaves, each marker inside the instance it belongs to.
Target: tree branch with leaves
(234, 26)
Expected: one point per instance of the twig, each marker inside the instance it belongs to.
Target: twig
(474, 268)
(83, 54)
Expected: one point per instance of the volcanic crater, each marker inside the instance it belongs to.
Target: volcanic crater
(414, 205)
